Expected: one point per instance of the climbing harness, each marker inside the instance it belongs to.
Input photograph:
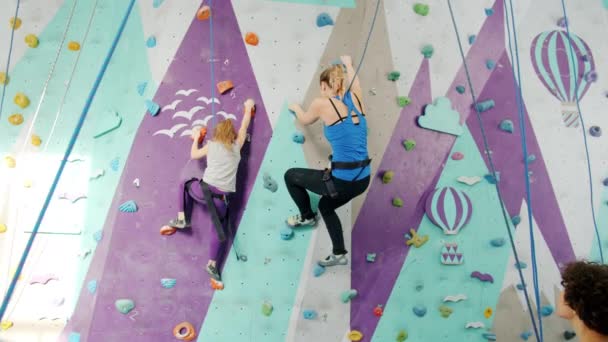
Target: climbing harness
(328, 179)
(8, 59)
(493, 172)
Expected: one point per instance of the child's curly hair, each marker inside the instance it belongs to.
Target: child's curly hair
(225, 133)
(586, 292)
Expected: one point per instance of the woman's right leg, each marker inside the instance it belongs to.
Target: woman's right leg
(298, 181)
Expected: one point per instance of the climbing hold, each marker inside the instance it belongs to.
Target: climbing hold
(546, 310)
(409, 144)
(489, 11)
(124, 306)
(324, 19)
(419, 310)
(484, 106)
(489, 336)
(286, 233)
(355, 335)
(309, 314)
(455, 298)
(493, 179)
(216, 285)
(450, 254)
(427, 51)
(403, 101)
(252, 39)
(224, 86)
(378, 311)
(483, 277)
(445, 311)
(487, 313)
(419, 286)
(506, 126)
(35, 140)
(521, 265)
(15, 23)
(394, 76)
(490, 64)
(184, 332)
(128, 207)
(114, 164)
(421, 9)
(5, 325)
(595, 131)
(141, 88)
(73, 46)
(402, 336)
(498, 242)
(416, 240)
(298, 138)
(475, 325)
(397, 202)
(203, 13)
(3, 78)
(562, 22)
(520, 287)
(31, 40)
(460, 89)
(449, 202)
(605, 182)
(387, 176)
(568, 335)
(525, 335)
(318, 270)
(15, 119)
(371, 257)
(92, 286)
(10, 162)
(168, 283)
(98, 235)
(2, 228)
(516, 220)
(472, 180)
(21, 100)
(531, 158)
(457, 156)
(472, 38)
(267, 309)
(591, 76)
(167, 230)
(349, 295)
(74, 337)
(152, 107)
(441, 117)
(151, 42)
(157, 3)
(270, 183)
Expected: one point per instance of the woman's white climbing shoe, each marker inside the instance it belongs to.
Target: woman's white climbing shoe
(334, 260)
(297, 221)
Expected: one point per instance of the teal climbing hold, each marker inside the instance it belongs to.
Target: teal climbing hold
(371, 257)
(157, 3)
(309, 314)
(270, 183)
(489, 336)
(460, 89)
(531, 158)
(394, 76)
(153, 107)
(397, 202)
(493, 179)
(124, 306)
(546, 310)
(506, 126)
(403, 101)
(128, 207)
(489, 11)
(298, 138)
(98, 235)
(74, 337)
(141, 88)
(419, 310)
(286, 233)
(484, 106)
(427, 51)
(92, 286)
(421, 9)
(520, 286)
(490, 64)
(114, 164)
(318, 270)
(324, 20)
(347, 296)
(168, 283)
(267, 309)
(516, 219)
(525, 335)
(151, 42)
(568, 335)
(409, 144)
(472, 38)
(521, 265)
(498, 242)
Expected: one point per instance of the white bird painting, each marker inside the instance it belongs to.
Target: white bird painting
(171, 131)
(208, 100)
(172, 106)
(186, 132)
(202, 122)
(188, 114)
(186, 92)
(226, 115)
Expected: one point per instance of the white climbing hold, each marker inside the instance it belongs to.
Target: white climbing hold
(136, 182)
(469, 180)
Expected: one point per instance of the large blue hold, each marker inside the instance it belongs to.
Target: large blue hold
(92, 286)
(74, 337)
(324, 20)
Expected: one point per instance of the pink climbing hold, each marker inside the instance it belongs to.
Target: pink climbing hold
(457, 156)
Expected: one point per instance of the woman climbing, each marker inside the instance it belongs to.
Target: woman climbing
(345, 128)
(223, 154)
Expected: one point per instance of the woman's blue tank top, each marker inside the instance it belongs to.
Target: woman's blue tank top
(349, 142)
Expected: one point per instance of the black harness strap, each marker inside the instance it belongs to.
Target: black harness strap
(328, 180)
(215, 217)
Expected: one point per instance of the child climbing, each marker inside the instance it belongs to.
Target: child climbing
(345, 128)
(583, 301)
(218, 184)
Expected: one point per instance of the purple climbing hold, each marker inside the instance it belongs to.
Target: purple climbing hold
(591, 76)
(483, 277)
(562, 22)
(585, 58)
(595, 131)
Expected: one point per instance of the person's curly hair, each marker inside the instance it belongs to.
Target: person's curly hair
(586, 292)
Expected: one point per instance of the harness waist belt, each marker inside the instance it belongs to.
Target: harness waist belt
(349, 165)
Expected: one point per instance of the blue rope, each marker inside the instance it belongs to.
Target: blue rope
(211, 63)
(521, 121)
(580, 114)
(68, 151)
(493, 171)
(369, 36)
(10, 53)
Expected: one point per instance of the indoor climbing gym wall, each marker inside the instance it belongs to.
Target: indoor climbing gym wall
(486, 130)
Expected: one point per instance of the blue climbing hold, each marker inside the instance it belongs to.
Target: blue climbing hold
(506, 126)
(74, 337)
(531, 158)
(151, 42)
(309, 314)
(153, 107)
(92, 286)
(546, 310)
(168, 283)
(484, 106)
(489, 336)
(141, 88)
(520, 286)
(298, 138)
(493, 179)
(419, 310)
(98, 235)
(286, 233)
(270, 184)
(595, 131)
(525, 335)
(114, 164)
(516, 220)
(472, 38)
(128, 207)
(460, 89)
(498, 242)
(489, 11)
(324, 20)
(490, 64)
(521, 265)
(318, 270)
(157, 3)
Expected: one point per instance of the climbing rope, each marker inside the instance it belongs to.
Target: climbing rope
(211, 63)
(522, 125)
(369, 36)
(64, 160)
(493, 172)
(8, 59)
(580, 115)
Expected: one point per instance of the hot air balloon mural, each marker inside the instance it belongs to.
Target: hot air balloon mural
(551, 57)
(449, 208)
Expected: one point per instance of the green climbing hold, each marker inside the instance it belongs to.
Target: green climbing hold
(427, 51)
(445, 311)
(267, 309)
(394, 76)
(403, 101)
(124, 306)
(402, 336)
(397, 202)
(387, 177)
(421, 9)
(409, 144)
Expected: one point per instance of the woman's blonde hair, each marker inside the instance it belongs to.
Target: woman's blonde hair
(334, 77)
(225, 133)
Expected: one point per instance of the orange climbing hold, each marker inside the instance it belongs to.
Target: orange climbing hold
(252, 39)
(224, 86)
(73, 46)
(15, 119)
(216, 285)
(166, 230)
(201, 137)
(184, 332)
(203, 13)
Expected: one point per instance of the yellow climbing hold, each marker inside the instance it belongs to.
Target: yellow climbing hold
(74, 46)
(5, 325)
(355, 335)
(22, 100)
(488, 312)
(36, 141)
(15, 23)
(15, 119)
(2, 228)
(31, 40)
(27, 183)
(10, 162)
(3, 79)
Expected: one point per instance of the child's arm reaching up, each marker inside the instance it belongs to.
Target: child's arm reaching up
(242, 134)
(195, 152)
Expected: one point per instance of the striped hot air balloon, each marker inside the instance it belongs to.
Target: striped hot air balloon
(449, 208)
(551, 57)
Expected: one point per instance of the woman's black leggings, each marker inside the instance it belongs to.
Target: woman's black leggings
(300, 180)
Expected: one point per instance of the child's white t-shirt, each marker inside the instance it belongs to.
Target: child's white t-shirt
(222, 166)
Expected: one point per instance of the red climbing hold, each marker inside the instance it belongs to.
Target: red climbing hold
(201, 136)
(457, 156)
(252, 39)
(203, 13)
(378, 311)
(216, 285)
(166, 230)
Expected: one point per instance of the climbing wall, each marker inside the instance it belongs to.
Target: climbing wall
(430, 256)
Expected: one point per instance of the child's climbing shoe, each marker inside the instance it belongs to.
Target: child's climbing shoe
(334, 260)
(179, 224)
(297, 221)
(214, 273)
